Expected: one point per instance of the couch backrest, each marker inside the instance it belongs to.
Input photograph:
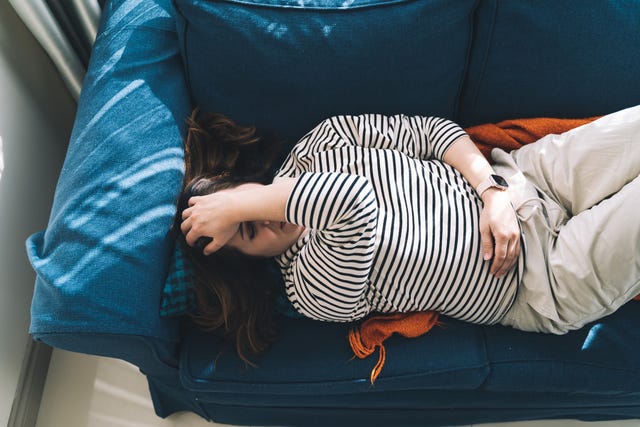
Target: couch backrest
(553, 58)
(284, 67)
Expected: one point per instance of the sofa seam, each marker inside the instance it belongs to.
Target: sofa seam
(467, 62)
(183, 48)
(487, 47)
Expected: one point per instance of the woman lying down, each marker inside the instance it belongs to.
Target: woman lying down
(393, 214)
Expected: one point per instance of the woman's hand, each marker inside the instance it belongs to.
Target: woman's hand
(218, 216)
(498, 222)
(212, 218)
(500, 232)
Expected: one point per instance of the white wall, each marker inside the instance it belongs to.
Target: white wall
(36, 114)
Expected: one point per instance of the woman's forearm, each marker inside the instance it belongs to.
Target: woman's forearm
(499, 229)
(465, 157)
(263, 203)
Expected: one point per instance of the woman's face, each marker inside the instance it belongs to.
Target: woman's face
(264, 238)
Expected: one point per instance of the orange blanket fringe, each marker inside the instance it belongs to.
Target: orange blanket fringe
(365, 337)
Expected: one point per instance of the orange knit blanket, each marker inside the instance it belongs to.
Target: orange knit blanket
(370, 334)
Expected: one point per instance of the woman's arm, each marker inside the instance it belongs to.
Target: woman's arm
(328, 279)
(498, 222)
(219, 215)
(330, 274)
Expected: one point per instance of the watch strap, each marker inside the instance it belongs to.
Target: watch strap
(492, 181)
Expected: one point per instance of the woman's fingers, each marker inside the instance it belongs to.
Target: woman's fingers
(501, 245)
(500, 233)
(186, 213)
(202, 242)
(206, 224)
(506, 255)
(212, 247)
(185, 226)
(487, 242)
(189, 231)
(512, 257)
(191, 224)
(499, 258)
(191, 238)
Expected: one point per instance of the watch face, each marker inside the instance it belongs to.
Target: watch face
(500, 180)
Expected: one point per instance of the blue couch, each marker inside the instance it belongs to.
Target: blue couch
(104, 257)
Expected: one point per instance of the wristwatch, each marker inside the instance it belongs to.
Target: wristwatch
(492, 181)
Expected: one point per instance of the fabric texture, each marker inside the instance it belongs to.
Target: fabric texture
(103, 258)
(178, 294)
(551, 58)
(291, 64)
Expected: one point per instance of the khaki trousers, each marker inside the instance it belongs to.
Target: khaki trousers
(577, 196)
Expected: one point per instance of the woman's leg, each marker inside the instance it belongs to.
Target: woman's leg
(592, 266)
(595, 259)
(580, 168)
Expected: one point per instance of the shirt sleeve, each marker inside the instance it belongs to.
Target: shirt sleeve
(418, 137)
(328, 278)
(434, 135)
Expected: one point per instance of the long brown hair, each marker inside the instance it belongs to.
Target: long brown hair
(235, 293)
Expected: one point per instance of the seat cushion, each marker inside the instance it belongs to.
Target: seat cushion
(574, 58)
(286, 65)
(600, 358)
(450, 375)
(314, 358)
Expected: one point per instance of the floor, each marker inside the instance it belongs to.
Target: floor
(89, 391)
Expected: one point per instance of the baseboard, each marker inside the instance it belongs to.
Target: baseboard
(33, 374)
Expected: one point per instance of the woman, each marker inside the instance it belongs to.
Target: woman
(399, 214)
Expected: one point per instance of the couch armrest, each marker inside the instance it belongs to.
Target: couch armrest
(102, 261)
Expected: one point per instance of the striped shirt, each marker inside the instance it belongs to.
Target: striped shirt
(389, 226)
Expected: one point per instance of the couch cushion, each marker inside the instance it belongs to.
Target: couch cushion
(575, 58)
(103, 257)
(435, 408)
(600, 358)
(286, 65)
(314, 358)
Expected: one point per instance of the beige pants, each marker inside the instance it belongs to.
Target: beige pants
(578, 198)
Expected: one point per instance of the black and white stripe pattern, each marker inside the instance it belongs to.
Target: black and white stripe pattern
(391, 227)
